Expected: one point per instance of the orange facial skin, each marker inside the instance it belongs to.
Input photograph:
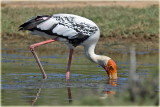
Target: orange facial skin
(111, 69)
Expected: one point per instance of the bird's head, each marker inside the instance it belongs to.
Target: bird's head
(111, 69)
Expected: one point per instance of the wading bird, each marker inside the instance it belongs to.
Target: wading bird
(73, 30)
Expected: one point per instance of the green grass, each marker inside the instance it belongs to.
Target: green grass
(120, 22)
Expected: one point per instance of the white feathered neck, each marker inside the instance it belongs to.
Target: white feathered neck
(99, 59)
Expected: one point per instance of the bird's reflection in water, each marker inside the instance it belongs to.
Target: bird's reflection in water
(112, 82)
(36, 96)
(39, 91)
(69, 94)
(108, 91)
(68, 85)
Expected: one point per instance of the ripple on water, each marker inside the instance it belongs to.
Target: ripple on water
(55, 80)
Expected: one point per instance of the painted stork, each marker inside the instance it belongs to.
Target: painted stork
(73, 30)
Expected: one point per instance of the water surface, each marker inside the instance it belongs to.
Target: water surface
(22, 82)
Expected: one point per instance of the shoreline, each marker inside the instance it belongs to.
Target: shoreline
(140, 43)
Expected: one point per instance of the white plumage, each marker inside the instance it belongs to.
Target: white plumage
(68, 26)
(73, 30)
(47, 24)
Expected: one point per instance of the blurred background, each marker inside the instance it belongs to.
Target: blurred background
(129, 34)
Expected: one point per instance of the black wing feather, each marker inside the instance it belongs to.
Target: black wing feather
(32, 23)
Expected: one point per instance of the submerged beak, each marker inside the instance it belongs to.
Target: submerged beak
(112, 76)
(111, 69)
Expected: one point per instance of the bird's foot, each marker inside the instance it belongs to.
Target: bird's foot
(67, 75)
(44, 77)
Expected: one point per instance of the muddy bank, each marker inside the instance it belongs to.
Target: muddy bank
(141, 43)
(137, 38)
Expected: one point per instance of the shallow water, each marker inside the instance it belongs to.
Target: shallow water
(22, 82)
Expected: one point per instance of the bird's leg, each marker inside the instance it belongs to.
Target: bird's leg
(32, 48)
(69, 64)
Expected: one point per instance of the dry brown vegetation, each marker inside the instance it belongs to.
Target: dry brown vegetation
(62, 4)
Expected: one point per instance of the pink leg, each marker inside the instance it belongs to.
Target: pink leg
(36, 57)
(69, 64)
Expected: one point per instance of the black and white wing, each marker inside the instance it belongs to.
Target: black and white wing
(33, 22)
(74, 28)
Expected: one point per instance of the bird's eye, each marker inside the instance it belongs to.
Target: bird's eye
(111, 68)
